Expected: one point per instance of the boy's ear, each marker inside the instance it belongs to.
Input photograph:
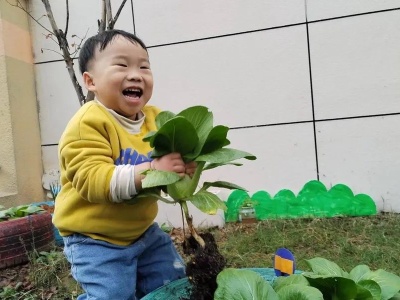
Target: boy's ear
(88, 81)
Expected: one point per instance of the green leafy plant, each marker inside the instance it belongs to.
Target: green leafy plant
(19, 212)
(327, 281)
(239, 284)
(192, 134)
(360, 283)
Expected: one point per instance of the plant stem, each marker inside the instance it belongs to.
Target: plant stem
(196, 177)
(189, 221)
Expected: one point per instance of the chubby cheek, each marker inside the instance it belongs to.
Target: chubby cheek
(149, 94)
(149, 91)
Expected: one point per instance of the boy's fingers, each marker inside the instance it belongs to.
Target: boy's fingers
(175, 155)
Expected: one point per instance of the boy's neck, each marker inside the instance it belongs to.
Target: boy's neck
(136, 117)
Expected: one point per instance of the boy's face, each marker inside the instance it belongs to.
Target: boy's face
(120, 77)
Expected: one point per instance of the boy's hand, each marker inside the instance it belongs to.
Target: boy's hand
(190, 168)
(170, 162)
(173, 163)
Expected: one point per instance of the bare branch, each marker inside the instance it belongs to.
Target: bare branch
(102, 27)
(47, 49)
(106, 22)
(63, 43)
(67, 21)
(73, 54)
(60, 37)
(19, 5)
(102, 22)
(50, 16)
(114, 20)
(50, 36)
(108, 13)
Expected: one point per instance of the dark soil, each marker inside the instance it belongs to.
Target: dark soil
(203, 267)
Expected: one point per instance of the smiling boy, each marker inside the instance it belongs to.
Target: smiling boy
(115, 249)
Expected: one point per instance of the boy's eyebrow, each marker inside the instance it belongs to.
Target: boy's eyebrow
(122, 56)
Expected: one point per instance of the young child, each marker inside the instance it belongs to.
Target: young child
(115, 250)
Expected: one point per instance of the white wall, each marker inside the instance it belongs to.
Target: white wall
(304, 86)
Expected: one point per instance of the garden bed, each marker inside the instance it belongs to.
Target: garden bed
(18, 237)
(349, 242)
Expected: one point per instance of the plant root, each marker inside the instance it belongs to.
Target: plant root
(202, 270)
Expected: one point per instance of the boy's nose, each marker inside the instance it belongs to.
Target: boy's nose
(134, 76)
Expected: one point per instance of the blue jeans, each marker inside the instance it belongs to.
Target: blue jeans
(111, 272)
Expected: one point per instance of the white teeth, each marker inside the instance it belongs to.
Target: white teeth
(133, 90)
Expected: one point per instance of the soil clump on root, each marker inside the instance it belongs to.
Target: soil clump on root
(204, 266)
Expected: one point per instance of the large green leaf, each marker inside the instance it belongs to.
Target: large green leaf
(207, 202)
(200, 118)
(222, 184)
(158, 178)
(389, 282)
(283, 281)
(234, 284)
(31, 209)
(149, 137)
(202, 121)
(176, 135)
(159, 152)
(216, 139)
(299, 292)
(396, 297)
(368, 290)
(181, 189)
(212, 166)
(322, 266)
(147, 193)
(333, 287)
(359, 273)
(225, 155)
(163, 117)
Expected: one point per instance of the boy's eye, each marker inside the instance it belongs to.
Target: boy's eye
(122, 65)
(145, 67)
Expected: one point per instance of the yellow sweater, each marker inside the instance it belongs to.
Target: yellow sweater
(92, 144)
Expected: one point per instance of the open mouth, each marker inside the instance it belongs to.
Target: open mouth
(133, 93)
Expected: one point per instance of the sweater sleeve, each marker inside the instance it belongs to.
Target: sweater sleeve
(87, 161)
(89, 168)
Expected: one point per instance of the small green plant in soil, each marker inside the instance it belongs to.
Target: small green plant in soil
(326, 281)
(19, 212)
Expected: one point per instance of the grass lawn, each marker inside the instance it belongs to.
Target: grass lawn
(373, 241)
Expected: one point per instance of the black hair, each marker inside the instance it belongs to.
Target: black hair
(103, 40)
